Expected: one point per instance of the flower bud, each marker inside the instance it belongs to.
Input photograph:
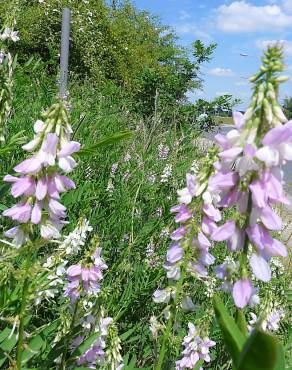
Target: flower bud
(268, 110)
(279, 114)
(161, 296)
(187, 304)
(282, 79)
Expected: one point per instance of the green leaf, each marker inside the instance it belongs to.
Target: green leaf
(4, 334)
(6, 346)
(34, 347)
(198, 365)
(131, 364)
(241, 322)
(15, 61)
(260, 352)
(280, 363)
(127, 334)
(54, 353)
(112, 139)
(233, 338)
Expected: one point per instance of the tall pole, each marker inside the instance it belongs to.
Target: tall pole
(66, 18)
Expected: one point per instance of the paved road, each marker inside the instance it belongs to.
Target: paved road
(223, 129)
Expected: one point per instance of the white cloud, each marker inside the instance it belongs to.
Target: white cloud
(242, 16)
(194, 95)
(221, 72)
(221, 93)
(263, 44)
(183, 15)
(241, 83)
(287, 4)
(192, 29)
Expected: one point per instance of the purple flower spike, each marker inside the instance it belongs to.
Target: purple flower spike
(38, 183)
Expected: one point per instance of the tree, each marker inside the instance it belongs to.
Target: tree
(287, 107)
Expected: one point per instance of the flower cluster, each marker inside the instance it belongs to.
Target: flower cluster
(195, 349)
(55, 265)
(6, 80)
(184, 235)
(166, 174)
(105, 349)
(189, 249)
(9, 34)
(83, 286)
(95, 354)
(188, 255)
(249, 176)
(85, 278)
(271, 323)
(163, 152)
(38, 182)
(74, 241)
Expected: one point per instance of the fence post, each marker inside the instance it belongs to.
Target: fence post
(66, 18)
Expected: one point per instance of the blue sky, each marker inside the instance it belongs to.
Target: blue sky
(238, 27)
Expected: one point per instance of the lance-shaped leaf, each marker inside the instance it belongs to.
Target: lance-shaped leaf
(261, 352)
(233, 337)
(241, 322)
(111, 139)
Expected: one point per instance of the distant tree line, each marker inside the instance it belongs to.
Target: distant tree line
(113, 42)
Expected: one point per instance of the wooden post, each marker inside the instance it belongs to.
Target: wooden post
(65, 35)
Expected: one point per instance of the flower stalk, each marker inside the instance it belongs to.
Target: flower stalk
(249, 176)
(25, 291)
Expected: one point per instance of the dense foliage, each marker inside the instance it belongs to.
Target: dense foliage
(117, 43)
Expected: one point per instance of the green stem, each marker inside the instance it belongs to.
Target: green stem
(170, 322)
(64, 355)
(22, 314)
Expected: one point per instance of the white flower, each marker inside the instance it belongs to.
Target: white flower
(184, 196)
(187, 304)
(2, 55)
(155, 326)
(161, 296)
(166, 174)
(163, 152)
(268, 155)
(76, 239)
(245, 164)
(110, 186)
(9, 34)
